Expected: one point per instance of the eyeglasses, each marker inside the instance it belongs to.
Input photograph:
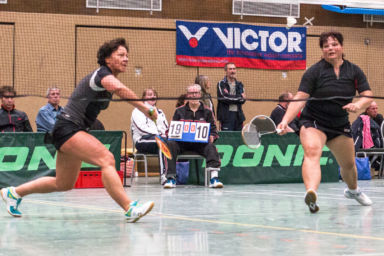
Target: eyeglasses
(8, 96)
(194, 93)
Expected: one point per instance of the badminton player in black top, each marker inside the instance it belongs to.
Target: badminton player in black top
(326, 122)
(74, 143)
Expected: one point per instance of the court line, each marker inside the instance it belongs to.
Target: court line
(185, 218)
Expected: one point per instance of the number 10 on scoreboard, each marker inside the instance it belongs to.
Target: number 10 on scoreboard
(189, 131)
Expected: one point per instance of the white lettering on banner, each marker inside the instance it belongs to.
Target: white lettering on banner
(272, 41)
(235, 38)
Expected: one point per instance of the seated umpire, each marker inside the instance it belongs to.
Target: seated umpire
(194, 110)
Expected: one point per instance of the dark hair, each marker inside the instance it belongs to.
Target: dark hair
(284, 96)
(108, 48)
(8, 89)
(149, 89)
(325, 35)
(202, 80)
(181, 100)
(229, 63)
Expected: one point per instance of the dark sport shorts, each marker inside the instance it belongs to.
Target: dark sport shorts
(331, 133)
(63, 130)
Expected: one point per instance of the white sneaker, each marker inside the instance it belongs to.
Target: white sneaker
(163, 179)
(135, 212)
(215, 183)
(360, 197)
(11, 201)
(310, 199)
(171, 183)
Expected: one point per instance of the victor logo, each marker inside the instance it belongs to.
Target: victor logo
(237, 38)
(251, 40)
(193, 39)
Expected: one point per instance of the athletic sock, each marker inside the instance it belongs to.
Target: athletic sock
(354, 191)
(13, 190)
(214, 174)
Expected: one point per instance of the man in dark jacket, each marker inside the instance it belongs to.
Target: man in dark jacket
(278, 113)
(11, 119)
(194, 111)
(230, 97)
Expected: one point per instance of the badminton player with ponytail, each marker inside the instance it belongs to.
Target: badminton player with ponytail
(325, 122)
(73, 142)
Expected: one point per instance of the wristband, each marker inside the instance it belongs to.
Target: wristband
(151, 111)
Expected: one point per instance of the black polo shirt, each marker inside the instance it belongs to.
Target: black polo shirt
(88, 99)
(320, 81)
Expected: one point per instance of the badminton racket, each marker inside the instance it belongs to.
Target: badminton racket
(162, 144)
(260, 125)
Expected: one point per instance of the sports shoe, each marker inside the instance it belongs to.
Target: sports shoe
(171, 183)
(135, 212)
(163, 179)
(12, 202)
(360, 197)
(310, 199)
(215, 183)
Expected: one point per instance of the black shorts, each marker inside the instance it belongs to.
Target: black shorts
(331, 133)
(63, 130)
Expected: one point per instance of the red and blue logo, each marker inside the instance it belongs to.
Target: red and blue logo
(214, 44)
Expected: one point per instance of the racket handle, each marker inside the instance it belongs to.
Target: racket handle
(278, 131)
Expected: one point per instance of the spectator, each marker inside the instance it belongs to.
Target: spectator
(206, 97)
(366, 133)
(97, 125)
(230, 96)
(372, 112)
(144, 130)
(46, 117)
(181, 100)
(194, 110)
(278, 113)
(11, 119)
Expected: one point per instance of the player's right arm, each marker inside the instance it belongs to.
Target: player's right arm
(112, 84)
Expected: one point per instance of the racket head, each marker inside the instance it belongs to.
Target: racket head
(163, 147)
(250, 136)
(262, 124)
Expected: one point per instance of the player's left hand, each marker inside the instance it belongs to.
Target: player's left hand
(352, 107)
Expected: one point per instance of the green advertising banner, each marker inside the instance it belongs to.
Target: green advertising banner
(277, 160)
(24, 156)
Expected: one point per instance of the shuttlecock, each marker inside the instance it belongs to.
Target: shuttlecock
(290, 22)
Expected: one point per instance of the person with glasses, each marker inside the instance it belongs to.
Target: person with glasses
(194, 110)
(11, 119)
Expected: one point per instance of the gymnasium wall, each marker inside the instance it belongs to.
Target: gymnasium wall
(42, 49)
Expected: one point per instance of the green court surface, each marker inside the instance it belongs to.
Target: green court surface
(194, 220)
